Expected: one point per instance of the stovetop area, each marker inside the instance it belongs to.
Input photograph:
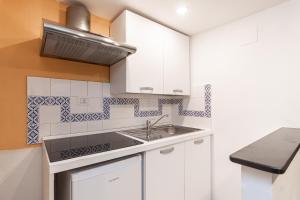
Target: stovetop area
(73, 147)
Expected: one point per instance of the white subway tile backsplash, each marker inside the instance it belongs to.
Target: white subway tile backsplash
(202, 123)
(60, 87)
(106, 89)
(94, 125)
(193, 104)
(49, 114)
(76, 107)
(197, 92)
(45, 130)
(37, 86)
(79, 88)
(143, 104)
(167, 109)
(120, 123)
(121, 111)
(60, 128)
(79, 127)
(149, 103)
(95, 89)
(95, 105)
(142, 121)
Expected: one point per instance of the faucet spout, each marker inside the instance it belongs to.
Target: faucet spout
(151, 125)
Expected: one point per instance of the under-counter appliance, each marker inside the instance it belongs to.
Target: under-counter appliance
(113, 181)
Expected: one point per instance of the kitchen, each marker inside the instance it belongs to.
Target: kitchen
(161, 95)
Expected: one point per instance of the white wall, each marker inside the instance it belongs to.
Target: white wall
(254, 67)
(20, 174)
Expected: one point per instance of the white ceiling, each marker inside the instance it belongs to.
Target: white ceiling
(201, 15)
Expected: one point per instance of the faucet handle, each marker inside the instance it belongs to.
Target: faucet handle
(148, 124)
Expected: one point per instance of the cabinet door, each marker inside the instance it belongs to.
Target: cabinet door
(144, 70)
(164, 173)
(176, 63)
(120, 180)
(198, 169)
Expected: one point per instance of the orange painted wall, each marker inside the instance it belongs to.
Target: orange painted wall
(20, 33)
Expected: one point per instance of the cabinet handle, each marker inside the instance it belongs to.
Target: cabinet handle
(166, 151)
(114, 179)
(146, 88)
(178, 90)
(198, 141)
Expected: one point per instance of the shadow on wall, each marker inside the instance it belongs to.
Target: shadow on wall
(16, 63)
(20, 177)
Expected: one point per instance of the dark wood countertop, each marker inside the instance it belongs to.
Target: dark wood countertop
(273, 153)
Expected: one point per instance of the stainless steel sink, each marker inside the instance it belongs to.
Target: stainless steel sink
(159, 132)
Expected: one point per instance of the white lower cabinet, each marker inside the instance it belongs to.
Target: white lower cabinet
(198, 169)
(179, 172)
(164, 173)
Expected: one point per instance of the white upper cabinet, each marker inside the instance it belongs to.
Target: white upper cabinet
(176, 63)
(141, 72)
(161, 63)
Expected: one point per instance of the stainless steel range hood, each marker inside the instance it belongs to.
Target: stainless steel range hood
(74, 42)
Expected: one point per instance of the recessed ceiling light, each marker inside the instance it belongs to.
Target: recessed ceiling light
(182, 10)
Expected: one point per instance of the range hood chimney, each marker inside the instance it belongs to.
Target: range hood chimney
(78, 17)
(75, 42)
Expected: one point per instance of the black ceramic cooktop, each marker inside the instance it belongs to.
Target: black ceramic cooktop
(273, 153)
(67, 148)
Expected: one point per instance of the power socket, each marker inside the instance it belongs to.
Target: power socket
(83, 101)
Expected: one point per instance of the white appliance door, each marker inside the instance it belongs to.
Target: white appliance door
(115, 181)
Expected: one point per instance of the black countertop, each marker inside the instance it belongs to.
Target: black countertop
(273, 153)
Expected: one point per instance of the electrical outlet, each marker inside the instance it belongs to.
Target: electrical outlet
(83, 101)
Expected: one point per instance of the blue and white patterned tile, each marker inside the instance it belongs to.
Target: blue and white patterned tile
(33, 133)
(87, 116)
(66, 115)
(70, 118)
(33, 115)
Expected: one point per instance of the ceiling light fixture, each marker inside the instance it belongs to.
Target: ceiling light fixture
(182, 10)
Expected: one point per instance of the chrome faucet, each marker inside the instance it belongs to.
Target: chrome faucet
(150, 125)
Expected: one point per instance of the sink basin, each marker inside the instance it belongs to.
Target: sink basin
(159, 132)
